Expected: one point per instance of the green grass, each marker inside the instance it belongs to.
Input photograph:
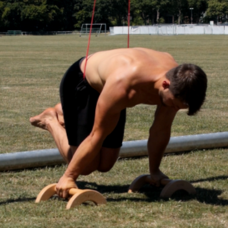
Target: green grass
(31, 68)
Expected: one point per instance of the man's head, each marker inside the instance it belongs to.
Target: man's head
(188, 83)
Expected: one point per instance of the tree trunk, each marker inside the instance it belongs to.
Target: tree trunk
(179, 17)
(158, 15)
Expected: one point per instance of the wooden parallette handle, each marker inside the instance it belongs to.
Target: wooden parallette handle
(171, 186)
(79, 196)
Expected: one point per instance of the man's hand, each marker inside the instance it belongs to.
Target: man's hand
(63, 186)
(156, 178)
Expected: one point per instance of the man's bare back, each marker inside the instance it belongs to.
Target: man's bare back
(137, 67)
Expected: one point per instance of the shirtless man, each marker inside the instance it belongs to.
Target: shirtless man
(88, 125)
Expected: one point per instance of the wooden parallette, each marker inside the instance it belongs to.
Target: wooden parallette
(78, 196)
(170, 186)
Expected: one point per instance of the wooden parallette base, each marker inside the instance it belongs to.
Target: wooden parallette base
(78, 196)
(170, 186)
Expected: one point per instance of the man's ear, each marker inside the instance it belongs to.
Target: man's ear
(166, 84)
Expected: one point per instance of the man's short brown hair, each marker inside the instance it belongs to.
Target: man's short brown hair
(189, 83)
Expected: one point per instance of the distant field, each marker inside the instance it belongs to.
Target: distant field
(31, 68)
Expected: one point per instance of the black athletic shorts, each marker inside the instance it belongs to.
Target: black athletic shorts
(79, 101)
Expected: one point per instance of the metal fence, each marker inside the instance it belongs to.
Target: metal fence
(171, 30)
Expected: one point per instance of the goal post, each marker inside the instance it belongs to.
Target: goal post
(97, 28)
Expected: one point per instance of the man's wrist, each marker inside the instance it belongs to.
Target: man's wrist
(154, 171)
(71, 175)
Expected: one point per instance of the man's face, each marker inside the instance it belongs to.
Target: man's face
(168, 100)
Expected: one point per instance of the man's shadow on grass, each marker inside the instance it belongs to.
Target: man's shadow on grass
(18, 200)
(203, 195)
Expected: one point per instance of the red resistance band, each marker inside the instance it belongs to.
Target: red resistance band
(94, 4)
(128, 37)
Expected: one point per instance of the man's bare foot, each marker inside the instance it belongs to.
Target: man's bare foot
(43, 119)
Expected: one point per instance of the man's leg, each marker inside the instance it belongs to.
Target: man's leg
(52, 120)
(108, 157)
(104, 161)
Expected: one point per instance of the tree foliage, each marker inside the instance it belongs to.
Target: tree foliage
(47, 15)
(217, 9)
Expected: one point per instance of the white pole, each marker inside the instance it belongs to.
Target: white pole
(38, 158)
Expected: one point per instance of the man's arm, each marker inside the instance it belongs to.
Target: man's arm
(158, 140)
(112, 100)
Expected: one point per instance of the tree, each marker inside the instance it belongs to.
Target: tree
(118, 11)
(2, 10)
(146, 9)
(83, 12)
(199, 8)
(68, 20)
(31, 15)
(177, 8)
(106, 11)
(41, 15)
(10, 17)
(217, 10)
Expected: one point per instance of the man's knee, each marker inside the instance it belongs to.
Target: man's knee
(105, 167)
(58, 109)
(108, 158)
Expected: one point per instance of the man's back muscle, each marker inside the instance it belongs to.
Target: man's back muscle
(135, 67)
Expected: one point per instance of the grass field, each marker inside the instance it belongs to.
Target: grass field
(31, 68)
